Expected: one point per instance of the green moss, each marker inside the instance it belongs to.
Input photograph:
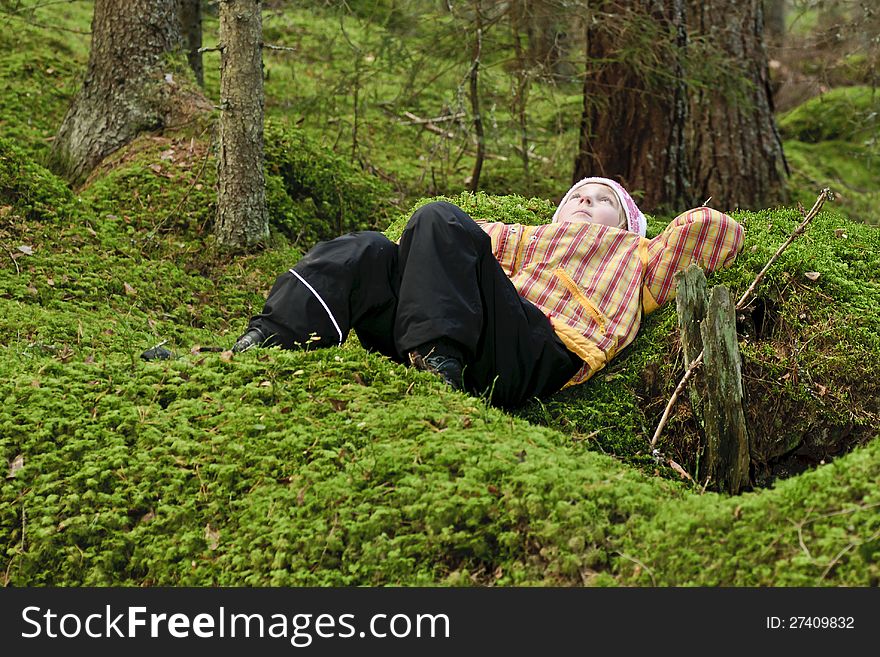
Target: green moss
(42, 54)
(29, 190)
(844, 114)
(316, 194)
(851, 170)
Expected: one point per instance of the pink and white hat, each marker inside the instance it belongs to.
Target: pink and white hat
(635, 220)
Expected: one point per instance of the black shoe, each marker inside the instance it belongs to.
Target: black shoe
(447, 367)
(252, 338)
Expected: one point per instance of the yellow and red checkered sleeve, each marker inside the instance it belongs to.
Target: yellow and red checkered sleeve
(705, 236)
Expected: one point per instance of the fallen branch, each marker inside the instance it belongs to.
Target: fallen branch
(820, 201)
(688, 375)
(417, 120)
(14, 261)
(744, 301)
(428, 125)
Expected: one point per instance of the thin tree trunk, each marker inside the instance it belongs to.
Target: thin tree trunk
(125, 90)
(190, 12)
(475, 106)
(520, 97)
(242, 220)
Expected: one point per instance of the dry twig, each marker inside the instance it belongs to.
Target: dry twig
(14, 261)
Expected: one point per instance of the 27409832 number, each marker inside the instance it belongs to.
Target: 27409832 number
(821, 622)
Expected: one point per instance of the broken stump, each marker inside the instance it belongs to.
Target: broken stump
(707, 325)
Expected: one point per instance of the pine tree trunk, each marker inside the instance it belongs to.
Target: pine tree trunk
(674, 144)
(736, 151)
(242, 219)
(633, 130)
(125, 90)
(190, 12)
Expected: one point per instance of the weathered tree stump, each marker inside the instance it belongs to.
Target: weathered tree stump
(708, 326)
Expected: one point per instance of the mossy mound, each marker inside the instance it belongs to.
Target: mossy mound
(340, 467)
(40, 70)
(316, 194)
(851, 170)
(831, 140)
(811, 349)
(168, 183)
(29, 191)
(842, 114)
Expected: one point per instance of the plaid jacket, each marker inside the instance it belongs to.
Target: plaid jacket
(593, 281)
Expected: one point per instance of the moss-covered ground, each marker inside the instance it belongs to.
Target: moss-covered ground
(340, 467)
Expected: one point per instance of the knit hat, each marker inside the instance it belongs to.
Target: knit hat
(635, 220)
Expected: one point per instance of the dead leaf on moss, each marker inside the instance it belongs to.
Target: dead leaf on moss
(129, 290)
(24, 248)
(212, 537)
(812, 275)
(680, 470)
(226, 356)
(16, 465)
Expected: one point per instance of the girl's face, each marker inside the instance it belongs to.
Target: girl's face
(593, 203)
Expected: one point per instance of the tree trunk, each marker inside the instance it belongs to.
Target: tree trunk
(242, 220)
(670, 142)
(190, 12)
(474, 93)
(736, 151)
(126, 90)
(632, 125)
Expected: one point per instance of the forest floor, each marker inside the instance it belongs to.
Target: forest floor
(339, 467)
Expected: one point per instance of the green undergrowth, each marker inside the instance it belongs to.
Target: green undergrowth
(316, 194)
(841, 114)
(27, 189)
(336, 467)
(42, 55)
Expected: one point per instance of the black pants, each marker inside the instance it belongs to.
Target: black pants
(441, 283)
